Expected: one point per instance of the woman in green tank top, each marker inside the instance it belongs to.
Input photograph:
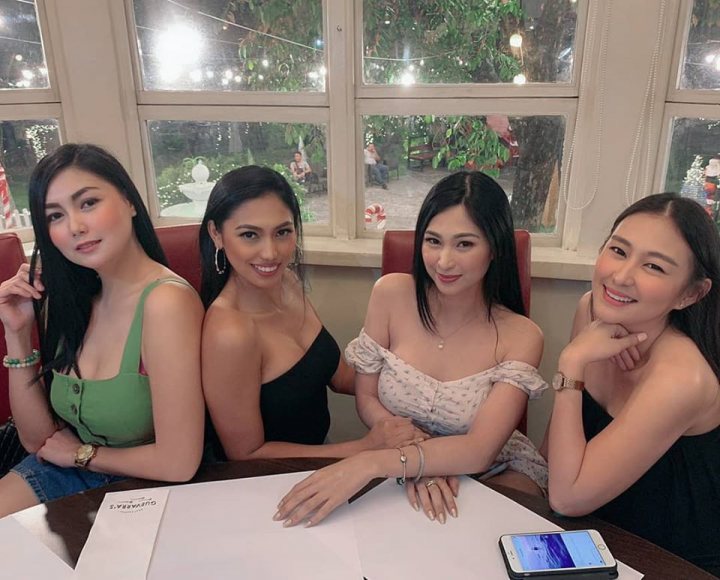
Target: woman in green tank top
(112, 397)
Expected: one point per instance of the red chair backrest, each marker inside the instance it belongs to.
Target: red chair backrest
(180, 244)
(397, 256)
(11, 256)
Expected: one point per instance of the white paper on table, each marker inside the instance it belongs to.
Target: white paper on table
(122, 538)
(22, 555)
(397, 542)
(224, 529)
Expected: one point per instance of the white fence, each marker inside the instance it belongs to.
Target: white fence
(18, 219)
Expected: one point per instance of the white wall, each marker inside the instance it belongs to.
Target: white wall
(341, 295)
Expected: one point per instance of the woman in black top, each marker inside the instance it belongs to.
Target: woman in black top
(267, 360)
(640, 446)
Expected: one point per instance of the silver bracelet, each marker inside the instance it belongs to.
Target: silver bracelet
(421, 455)
(403, 460)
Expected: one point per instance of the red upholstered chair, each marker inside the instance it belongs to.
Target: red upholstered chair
(397, 254)
(11, 256)
(180, 244)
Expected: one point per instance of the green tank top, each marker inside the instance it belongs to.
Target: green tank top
(114, 412)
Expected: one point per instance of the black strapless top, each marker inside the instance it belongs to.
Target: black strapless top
(676, 503)
(294, 406)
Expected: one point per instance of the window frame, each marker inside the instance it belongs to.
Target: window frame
(244, 114)
(565, 107)
(469, 90)
(672, 112)
(675, 94)
(37, 96)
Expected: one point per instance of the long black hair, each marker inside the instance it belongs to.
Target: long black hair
(701, 320)
(488, 207)
(231, 191)
(63, 313)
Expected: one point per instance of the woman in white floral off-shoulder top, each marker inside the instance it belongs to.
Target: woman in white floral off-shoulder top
(451, 348)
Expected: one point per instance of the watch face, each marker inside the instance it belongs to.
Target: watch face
(84, 454)
(85, 451)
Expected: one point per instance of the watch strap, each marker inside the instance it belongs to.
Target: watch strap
(561, 382)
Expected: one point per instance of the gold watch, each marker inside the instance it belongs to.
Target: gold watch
(84, 455)
(560, 382)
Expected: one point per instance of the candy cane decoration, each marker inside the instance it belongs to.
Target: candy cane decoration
(6, 203)
(375, 213)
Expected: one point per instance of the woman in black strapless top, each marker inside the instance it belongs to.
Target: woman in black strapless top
(267, 360)
(640, 447)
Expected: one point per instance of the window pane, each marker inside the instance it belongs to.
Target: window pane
(694, 166)
(215, 45)
(468, 41)
(178, 146)
(701, 69)
(412, 153)
(24, 143)
(21, 49)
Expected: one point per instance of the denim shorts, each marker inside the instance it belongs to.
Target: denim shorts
(51, 482)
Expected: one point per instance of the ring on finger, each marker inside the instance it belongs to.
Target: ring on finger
(430, 483)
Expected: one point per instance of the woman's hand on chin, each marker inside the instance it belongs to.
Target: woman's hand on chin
(317, 495)
(60, 448)
(600, 341)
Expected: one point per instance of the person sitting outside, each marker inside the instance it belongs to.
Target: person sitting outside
(300, 168)
(378, 171)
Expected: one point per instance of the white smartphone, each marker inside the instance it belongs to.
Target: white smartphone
(581, 552)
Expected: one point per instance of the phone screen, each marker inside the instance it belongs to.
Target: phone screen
(554, 551)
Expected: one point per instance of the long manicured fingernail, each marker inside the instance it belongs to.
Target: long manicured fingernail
(642, 336)
(415, 506)
(441, 517)
(277, 516)
(431, 515)
(453, 512)
(308, 523)
(287, 523)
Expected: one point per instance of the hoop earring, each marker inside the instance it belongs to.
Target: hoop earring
(218, 269)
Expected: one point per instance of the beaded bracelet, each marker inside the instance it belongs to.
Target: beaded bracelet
(421, 458)
(403, 460)
(21, 363)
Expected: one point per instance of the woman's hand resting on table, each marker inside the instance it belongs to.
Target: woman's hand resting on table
(436, 496)
(317, 495)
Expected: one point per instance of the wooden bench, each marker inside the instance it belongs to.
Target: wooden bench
(421, 153)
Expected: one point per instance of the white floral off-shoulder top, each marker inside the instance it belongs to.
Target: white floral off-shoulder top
(449, 407)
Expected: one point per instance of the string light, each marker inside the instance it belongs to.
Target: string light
(520, 79)
(19, 57)
(407, 78)
(516, 40)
